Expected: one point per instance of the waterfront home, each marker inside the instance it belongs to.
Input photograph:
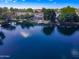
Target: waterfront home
(38, 15)
(19, 13)
(77, 11)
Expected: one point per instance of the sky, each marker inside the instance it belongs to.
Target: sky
(39, 3)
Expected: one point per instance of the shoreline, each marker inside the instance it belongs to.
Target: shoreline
(42, 22)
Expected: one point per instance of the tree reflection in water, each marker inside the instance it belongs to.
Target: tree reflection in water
(8, 26)
(64, 30)
(47, 30)
(2, 36)
(25, 25)
(67, 30)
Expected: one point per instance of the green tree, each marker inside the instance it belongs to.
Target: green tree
(0, 11)
(5, 10)
(49, 14)
(29, 10)
(11, 9)
(68, 10)
(68, 14)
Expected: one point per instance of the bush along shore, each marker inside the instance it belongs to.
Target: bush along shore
(67, 15)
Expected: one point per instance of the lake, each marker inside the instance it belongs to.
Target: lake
(39, 42)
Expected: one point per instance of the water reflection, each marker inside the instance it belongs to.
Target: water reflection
(2, 36)
(64, 30)
(25, 25)
(37, 44)
(67, 30)
(8, 26)
(47, 30)
(25, 34)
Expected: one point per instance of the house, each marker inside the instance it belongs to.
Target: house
(19, 13)
(77, 11)
(38, 14)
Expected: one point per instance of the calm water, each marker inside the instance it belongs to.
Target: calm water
(39, 42)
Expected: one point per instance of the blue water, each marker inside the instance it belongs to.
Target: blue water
(39, 42)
